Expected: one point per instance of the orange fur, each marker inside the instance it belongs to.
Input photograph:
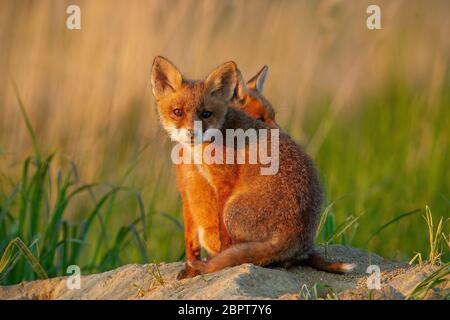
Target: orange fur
(232, 208)
(201, 206)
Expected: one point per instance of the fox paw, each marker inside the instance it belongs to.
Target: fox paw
(198, 265)
(187, 272)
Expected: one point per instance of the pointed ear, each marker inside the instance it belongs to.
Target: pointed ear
(222, 81)
(241, 90)
(165, 78)
(257, 82)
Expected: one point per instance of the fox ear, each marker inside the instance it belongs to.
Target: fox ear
(241, 90)
(257, 82)
(222, 81)
(165, 77)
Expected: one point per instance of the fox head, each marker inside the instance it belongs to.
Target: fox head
(249, 98)
(181, 102)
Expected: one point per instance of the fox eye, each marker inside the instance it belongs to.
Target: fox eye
(206, 114)
(178, 112)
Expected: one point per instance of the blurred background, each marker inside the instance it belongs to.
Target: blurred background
(372, 107)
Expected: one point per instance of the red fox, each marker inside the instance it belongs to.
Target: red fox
(263, 226)
(200, 213)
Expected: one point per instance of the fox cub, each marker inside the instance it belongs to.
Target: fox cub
(263, 226)
(200, 213)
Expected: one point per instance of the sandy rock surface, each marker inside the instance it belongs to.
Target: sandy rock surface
(246, 281)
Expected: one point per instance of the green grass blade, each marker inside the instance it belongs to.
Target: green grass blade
(26, 252)
(89, 220)
(24, 196)
(390, 222)
(38, 195)
(323, 218)
(174, 220)
(342, 228)
(141, 207)
(141, 244)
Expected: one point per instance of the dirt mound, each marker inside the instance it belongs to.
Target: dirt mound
(246, 281)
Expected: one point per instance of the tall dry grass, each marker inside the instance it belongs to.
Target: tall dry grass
(86, 89)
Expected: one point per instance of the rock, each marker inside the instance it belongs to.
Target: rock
(246, 281)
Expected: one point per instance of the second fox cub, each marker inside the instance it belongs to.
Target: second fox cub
(264, 226)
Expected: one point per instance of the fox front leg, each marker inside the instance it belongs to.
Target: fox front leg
(192, 246)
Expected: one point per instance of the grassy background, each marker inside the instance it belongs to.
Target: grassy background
(371, 107)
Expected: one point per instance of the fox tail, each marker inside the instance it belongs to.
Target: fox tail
(317, 261)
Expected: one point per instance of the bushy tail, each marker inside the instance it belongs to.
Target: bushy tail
(258, 253)
(315, 260)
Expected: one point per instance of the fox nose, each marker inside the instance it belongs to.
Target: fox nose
(190, 133)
